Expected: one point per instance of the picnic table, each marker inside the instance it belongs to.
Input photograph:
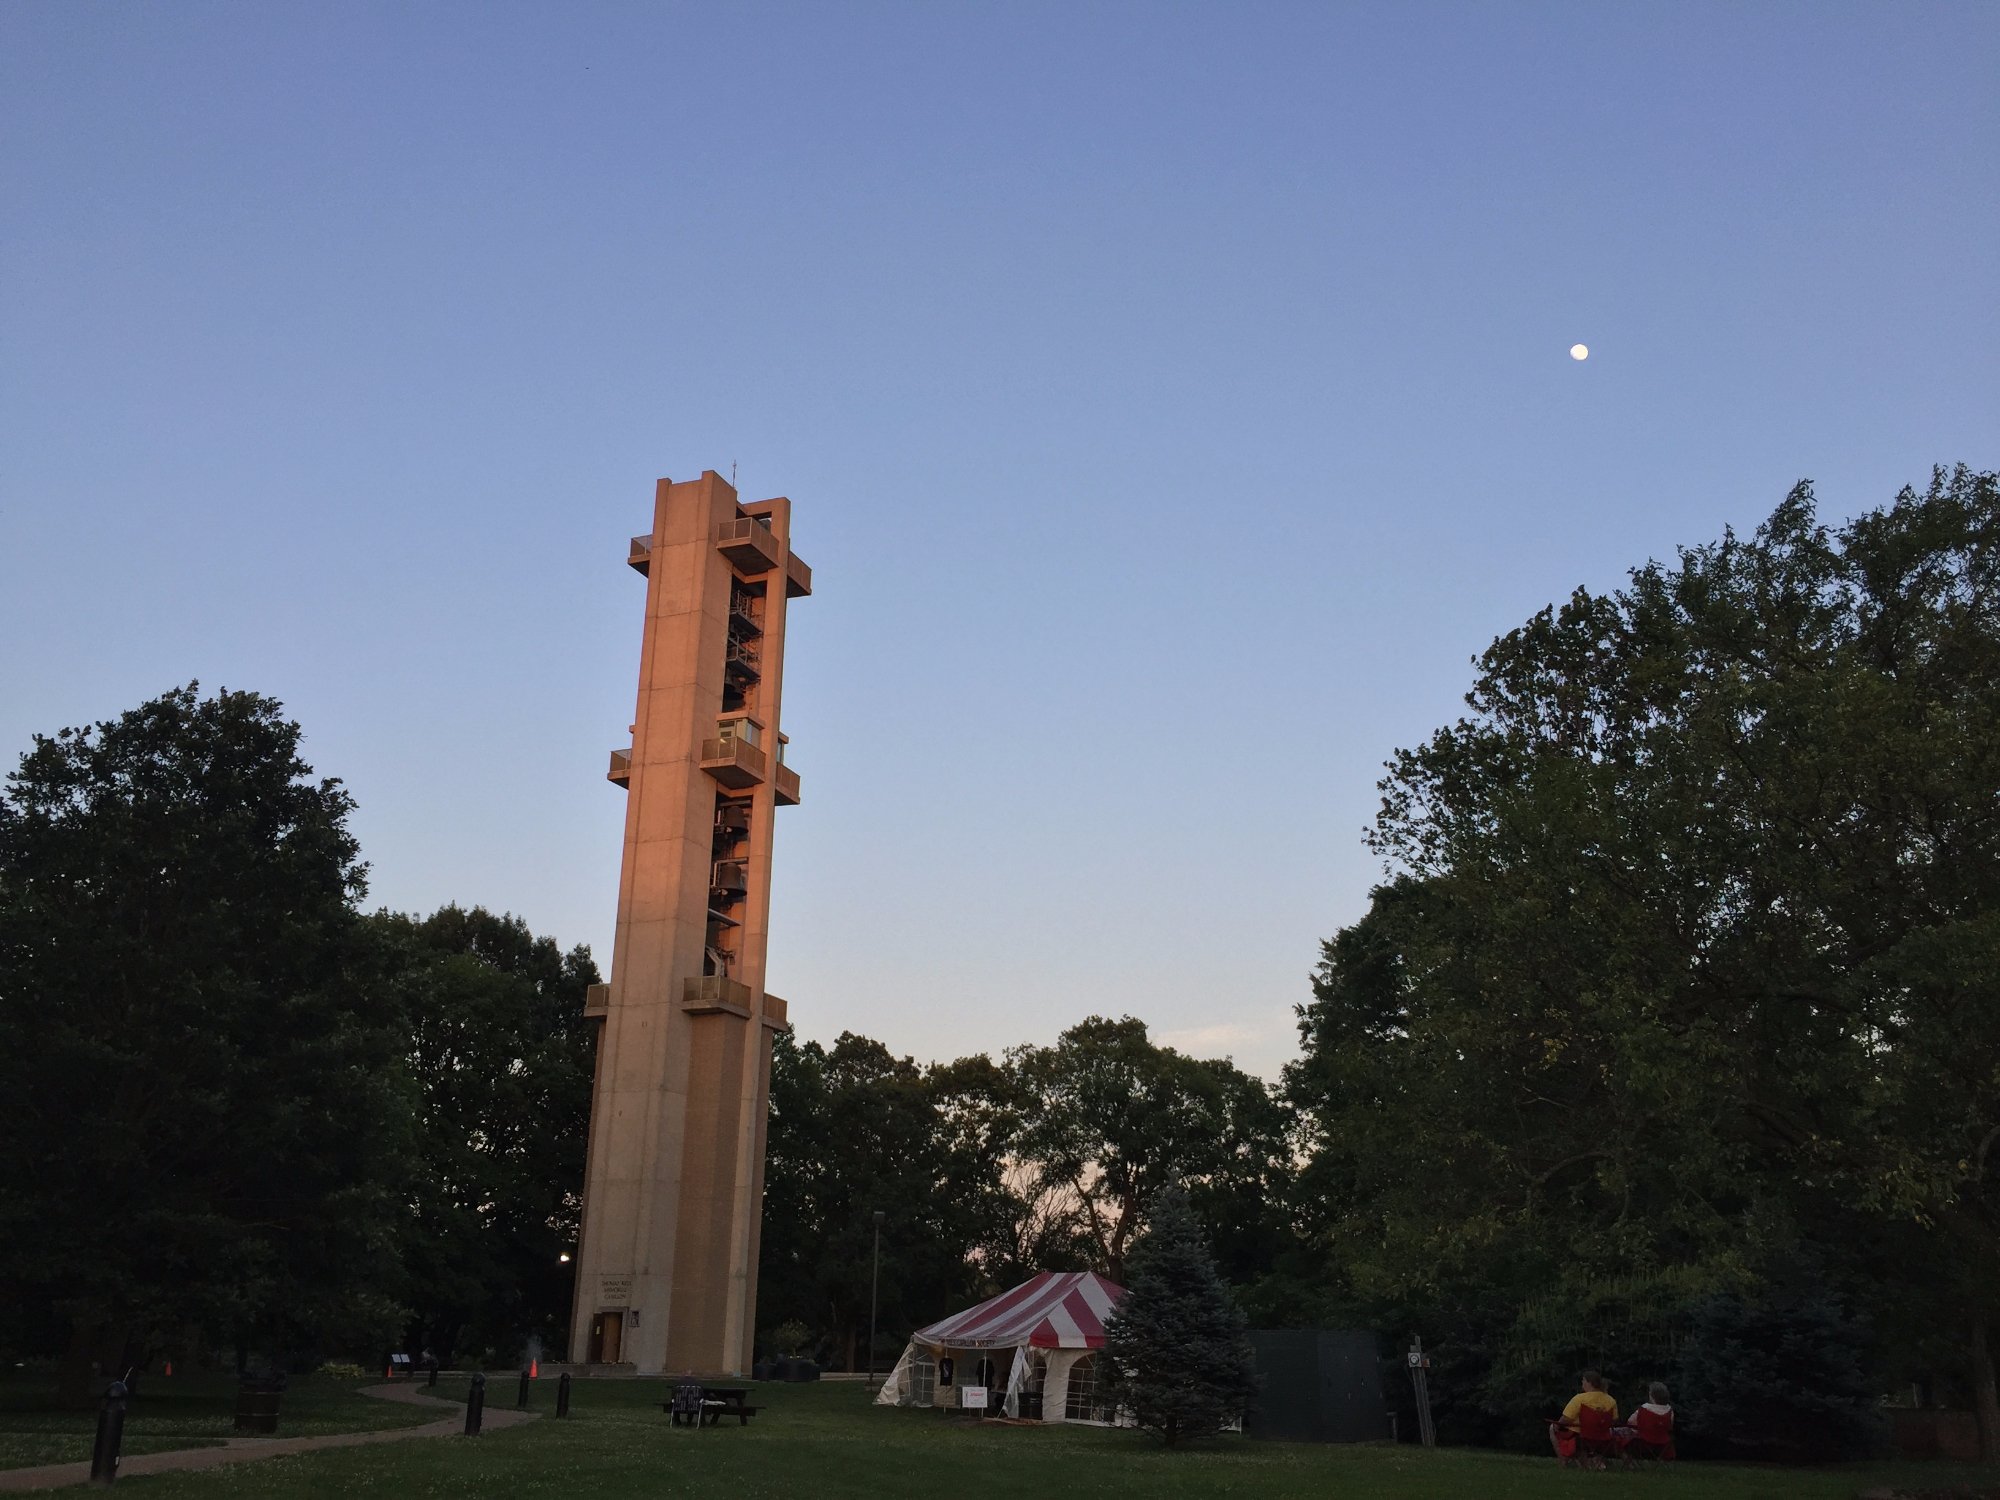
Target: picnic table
(715, 1403)
(719, 1401)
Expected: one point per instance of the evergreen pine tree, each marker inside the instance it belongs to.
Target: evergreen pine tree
(1185, 1368)
(1781, 1375)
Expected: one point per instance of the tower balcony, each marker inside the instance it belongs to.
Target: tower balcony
(798, 577)
(712, 993)
(785, 786)
(642, 553)
(734, 762)
(750, 545)
(596, 1002)
(621, 769)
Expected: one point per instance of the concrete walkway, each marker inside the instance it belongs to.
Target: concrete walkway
(247, 1450)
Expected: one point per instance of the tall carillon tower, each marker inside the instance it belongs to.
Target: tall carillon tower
(666, 1274)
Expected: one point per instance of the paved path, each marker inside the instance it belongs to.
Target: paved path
(246, 1450)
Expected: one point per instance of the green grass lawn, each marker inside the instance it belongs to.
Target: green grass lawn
(188, 1411)
(825, 1442)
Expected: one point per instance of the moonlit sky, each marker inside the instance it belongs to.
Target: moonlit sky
(1174, 398)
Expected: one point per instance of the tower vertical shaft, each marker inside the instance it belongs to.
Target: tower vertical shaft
(673, 1189)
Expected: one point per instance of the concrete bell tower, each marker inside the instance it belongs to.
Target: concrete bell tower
(666, 1271)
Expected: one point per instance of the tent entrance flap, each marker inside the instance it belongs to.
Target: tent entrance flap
(1017, 1382)
(895, 1390)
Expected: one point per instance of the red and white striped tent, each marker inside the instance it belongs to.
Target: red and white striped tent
(1049, 1324)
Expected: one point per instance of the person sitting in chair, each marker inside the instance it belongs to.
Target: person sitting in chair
(1584, 1428)
(1651, 1434)
(685, 1409)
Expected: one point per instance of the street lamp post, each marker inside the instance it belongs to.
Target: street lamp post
(874, 1296)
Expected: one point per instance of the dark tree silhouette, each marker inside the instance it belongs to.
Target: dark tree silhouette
(205, 1108)
(1185, 1368)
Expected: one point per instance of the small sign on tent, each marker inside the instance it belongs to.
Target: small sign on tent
(974, 1397)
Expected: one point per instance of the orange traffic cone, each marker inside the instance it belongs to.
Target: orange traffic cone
(170, 1368)
(534, 1369)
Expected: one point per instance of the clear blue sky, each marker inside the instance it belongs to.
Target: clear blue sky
(1174, 398)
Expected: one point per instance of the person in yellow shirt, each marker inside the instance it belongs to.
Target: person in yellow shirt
(1564, 1430)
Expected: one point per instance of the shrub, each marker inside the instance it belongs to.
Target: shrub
(790, 1338)
(1781, 1375)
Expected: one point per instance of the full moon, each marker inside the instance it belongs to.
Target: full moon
(1579, 351)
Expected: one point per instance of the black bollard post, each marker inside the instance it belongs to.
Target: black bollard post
(475, 1405)
(110, 1433)
(521, 1397)
(562, 1395)
(432, 1382)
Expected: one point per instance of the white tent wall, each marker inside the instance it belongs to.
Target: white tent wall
(1017, 1368)
(895, 1390)
(1055, 1382)
(1056, 1368)
(1028, 1366)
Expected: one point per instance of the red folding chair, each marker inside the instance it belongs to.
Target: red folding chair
(1652, 1438)
(1589, 1443)
(1594, 1442)
(1564, 1439)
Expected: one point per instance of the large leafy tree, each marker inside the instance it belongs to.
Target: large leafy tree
(1024, 1226)
(204, 1105)
(501, 1056)
(856, 1130)
(1110, 1117)
(1689, 956)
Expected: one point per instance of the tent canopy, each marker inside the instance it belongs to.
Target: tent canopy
(1056, 1310)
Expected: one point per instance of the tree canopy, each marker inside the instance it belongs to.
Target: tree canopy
(204, 1105)
(239, 1112)
(1687, 960)
(500, 1054)
(854, 1131)
(1110, 1117)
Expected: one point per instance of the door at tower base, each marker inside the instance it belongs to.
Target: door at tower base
(606, 1330)
(673, 1188)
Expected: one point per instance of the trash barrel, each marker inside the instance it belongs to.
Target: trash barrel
(257, 1406)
